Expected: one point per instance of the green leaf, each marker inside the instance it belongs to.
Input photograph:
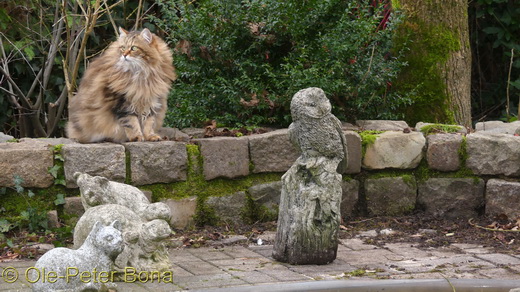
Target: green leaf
(29, 52)
(54, 170)
(515, 84)
(492, 30)
(60, 199)
(60, 182)
(5, 225)
(30, 194)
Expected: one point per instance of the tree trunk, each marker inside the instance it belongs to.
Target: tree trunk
(439, 60)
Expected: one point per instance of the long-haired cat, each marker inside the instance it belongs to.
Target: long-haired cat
(122, 95)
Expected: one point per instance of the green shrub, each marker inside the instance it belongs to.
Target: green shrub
(240, 62)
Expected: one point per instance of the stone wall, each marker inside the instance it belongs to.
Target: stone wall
(400, 170)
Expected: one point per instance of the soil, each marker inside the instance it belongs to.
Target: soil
(500, 234)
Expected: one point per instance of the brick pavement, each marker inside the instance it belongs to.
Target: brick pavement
(252, 268)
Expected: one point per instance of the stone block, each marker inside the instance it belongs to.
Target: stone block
(267, 194)
(49, 141)
(52, 219)
(272, 151)
(420, 125)
(157, 162)
(103, 159)
(182, 211)
(224, 157)
(229, 207)
(30, 161)
(493, 154)
(381, 125)
(390, 196)
(173, 134)
(503, 197)
(395, 150)
(443, 152)
(73, 206)
(5, 138)
(354, 152)
(349, 199)
(497, 127)
(451, 197)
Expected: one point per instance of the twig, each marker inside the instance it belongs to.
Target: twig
(470, 221)
(509, 81)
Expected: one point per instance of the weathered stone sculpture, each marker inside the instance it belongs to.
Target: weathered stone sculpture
(309, 216)
(89, 268)
(144, 240)
(144, 225)
(97, 190)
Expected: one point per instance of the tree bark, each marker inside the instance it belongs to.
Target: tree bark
(441, 29)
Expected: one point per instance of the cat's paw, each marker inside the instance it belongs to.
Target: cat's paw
(153, 138)
(138, 138)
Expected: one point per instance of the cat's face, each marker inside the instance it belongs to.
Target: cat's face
(134, 49)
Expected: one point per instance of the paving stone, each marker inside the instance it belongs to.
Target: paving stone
(199, 267)
(272, 151)
(157, 162)
(29, 161)
(253, 277)
(101, 159)
(208, 281)
(406, 250)
(211, 254)
(500, 259)
(224, 157)
(356, 244)
(497, 274)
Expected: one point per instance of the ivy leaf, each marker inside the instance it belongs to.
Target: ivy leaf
(59, 157)
(30, 194)
(492, 30)
(54, 170)
(60, 199)
(5, 225)
(60, 182)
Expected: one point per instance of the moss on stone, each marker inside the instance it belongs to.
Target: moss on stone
(440, 128)
(368, 138)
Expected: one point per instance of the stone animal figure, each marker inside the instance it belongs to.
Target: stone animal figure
(96, 255)
(309, 215)
(144, 240)
(315, 130)
(122, 95)
(97, 190)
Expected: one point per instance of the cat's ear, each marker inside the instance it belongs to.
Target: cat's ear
(97, 226)
(147, 35)
(122, 32)
(116, 224)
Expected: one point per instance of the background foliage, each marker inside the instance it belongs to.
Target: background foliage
(240, 62)
(495, 32)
